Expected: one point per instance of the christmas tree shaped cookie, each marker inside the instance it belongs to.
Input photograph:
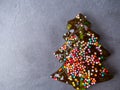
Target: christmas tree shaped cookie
(82, 56)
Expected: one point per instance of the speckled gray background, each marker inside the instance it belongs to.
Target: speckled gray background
(31, 30)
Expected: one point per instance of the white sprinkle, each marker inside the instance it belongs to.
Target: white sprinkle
(57, 75)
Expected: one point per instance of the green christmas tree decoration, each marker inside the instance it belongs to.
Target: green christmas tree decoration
(82, 56)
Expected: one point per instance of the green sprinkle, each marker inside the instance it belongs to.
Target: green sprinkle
(64, 59)
(101, 57)
(73, 76)
(89, 46)
(89, 81)
(81, 79)
(103, 74)
(102, 67)
(62, 67)
(95, 40)
(84, 84)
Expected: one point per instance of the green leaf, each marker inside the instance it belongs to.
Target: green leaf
(80, 28)
(81, 35)
(81, 83)
(69, 26)
(83, 89)
(87, 23)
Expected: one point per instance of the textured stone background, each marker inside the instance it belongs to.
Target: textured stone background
(31, 30)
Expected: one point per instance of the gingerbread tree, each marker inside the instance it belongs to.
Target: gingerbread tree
(82, 56)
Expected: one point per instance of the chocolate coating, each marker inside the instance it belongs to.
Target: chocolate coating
(82, 56)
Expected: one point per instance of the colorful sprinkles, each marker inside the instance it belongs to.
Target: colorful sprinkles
(82, 56)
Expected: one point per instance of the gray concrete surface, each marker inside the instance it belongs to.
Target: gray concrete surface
(31, 30)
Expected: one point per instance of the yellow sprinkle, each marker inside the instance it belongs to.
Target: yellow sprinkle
(73, 83)
(88, 73)
(70, 78)
(99, 64)
(77, 88)
(76, 80)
